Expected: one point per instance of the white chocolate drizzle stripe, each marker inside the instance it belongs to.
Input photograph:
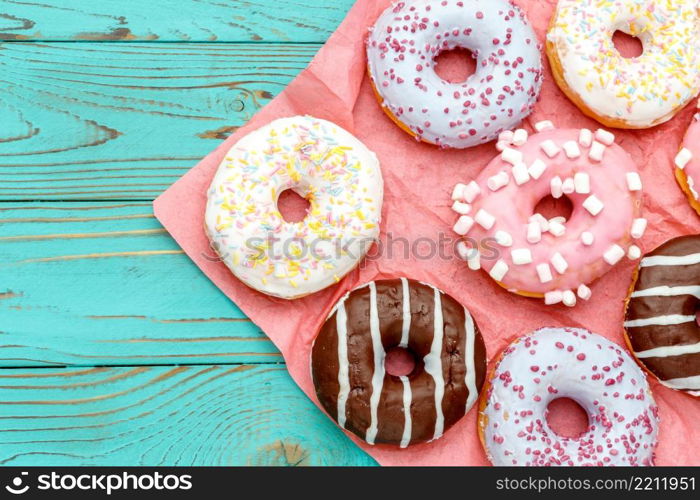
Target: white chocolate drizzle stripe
(433, 364)
(668, 351)
(408, 423)
(378, 375)
(668, 291)
(470, 377)
(343, 364)
(671, 260)
(406, 326)
(683, 383)
(671, 319)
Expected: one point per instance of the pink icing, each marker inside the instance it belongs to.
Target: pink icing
(514, 204)
(691, 142)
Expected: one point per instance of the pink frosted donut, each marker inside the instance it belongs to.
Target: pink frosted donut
(688, 163)
(555, 258)
(573, 363)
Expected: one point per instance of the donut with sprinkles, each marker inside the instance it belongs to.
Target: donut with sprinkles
(554, 258)
(350, 375)
(660, 322)
(638, 92)
(402, 49)
(321, 162)
(687, 163)
(553, 363)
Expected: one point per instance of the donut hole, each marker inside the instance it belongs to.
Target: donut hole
(399, 362)
(292, 206)
(566, 418)
(551, 207)
(455, 65)
(627, 46)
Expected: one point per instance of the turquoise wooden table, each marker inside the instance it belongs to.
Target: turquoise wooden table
(114, 348)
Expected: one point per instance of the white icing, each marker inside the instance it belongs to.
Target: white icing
(433, 363)
(378, 373)
(249, 233)
(664, 320)
(665, 352)
(407, 425)
(670, 260)
(343, 364)
(470, 375)
(406, 313)
(685, 383)
(429, 106)
(668, 291)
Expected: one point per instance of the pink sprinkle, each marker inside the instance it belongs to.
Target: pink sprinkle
(580, 356)
(479, 15)
(535, 368)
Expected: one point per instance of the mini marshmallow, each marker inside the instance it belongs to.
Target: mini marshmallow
(568, 187)
(471, 191)
(597, 151)
(638, 228)
(534, 232)
(550, 148)
(554, 297)
(461, 208)
(683, 158)
(593, 205)
(634, 252)
(568, 298)
(503, 238)
(544, 273)
(501, 145)
(544, 125)
(463, 225)
(537, 169)
(506, 136)
(556, 229)
(521, 256)
(582, 183)
(463, 250)
(458, 192)
(499, 270)
(520, 137)
(613, 254)
(556, 187)
(587, 238)
(634, 182)
(605, 137)
(496, 182)
(585, 137)
(559, 263)
(520, 174)
(584, 292)
(557, 220)
(484, 219)
(512, 156)
(541, 220)
(474, 261)
(571, 149)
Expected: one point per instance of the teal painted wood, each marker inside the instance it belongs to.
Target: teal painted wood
(90, 121)
(164, 20)
(104, 284)
(204, 415)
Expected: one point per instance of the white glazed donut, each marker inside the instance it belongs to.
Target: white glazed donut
(401, 52)
(624, 92)
(318, 160)
(553, 363)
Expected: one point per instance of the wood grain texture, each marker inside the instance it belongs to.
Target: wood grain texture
(165, 20)
(91, 121)
(169, 416)
(104, 284)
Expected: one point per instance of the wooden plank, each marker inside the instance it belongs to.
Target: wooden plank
(104, 284)
(167, 416)
(87, 121)
(162, 20)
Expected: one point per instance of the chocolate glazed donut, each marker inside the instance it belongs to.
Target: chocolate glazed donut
(348, 357)
(660, 323)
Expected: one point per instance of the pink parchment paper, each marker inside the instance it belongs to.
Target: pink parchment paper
(418, 183)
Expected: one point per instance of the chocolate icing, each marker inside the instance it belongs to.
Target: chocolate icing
(648, 337)
(390, 410)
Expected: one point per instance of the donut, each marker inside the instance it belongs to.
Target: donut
(632, 93)
(553, 363)
(555, 258)
(401, 51)
(350, 376)
(660, 325)
(687, 163)
(321, 162)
